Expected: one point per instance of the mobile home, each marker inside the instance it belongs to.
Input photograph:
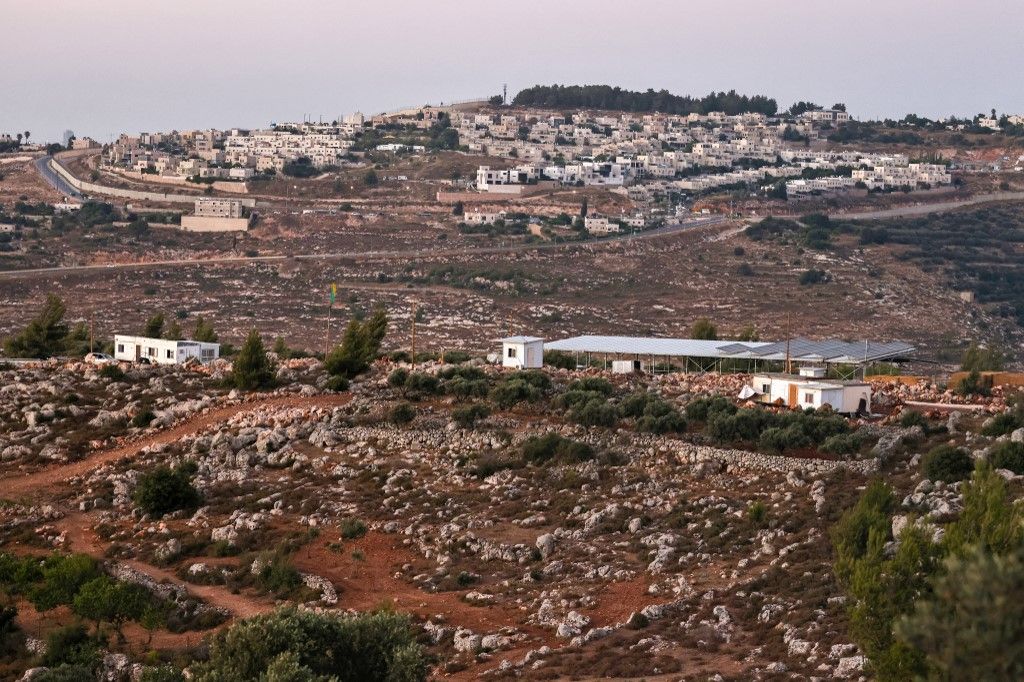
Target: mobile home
(163, 351)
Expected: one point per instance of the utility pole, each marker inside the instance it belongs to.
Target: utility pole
(91, 337)
(415, 312)
(789, 364)
(332, 292)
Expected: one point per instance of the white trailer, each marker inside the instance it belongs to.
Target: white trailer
(163, 351)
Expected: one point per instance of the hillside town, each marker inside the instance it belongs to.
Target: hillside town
(593, 346)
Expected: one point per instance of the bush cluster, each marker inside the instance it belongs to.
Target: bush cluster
(1008, 455)
(520, 387)
(652, 413)
(947, 464)
(306, 645)
(164, 490)
(466, 416)
(771, 431)
(552, 448)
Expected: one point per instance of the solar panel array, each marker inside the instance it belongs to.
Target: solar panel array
(799, 349)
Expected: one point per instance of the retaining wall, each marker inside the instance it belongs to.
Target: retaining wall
(93, 188)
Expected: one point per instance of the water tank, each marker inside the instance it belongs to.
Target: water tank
(813, 372)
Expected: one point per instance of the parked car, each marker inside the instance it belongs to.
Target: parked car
(99, 359)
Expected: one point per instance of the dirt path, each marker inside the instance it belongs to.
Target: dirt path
(44, 482)
(367, 572)
(80, 536)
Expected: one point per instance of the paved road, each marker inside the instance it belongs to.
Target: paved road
(341, 255)
(57, 182)
(925, 209)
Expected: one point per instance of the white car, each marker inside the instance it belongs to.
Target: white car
(99, 359)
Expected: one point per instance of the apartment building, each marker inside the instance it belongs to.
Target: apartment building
(600, 225)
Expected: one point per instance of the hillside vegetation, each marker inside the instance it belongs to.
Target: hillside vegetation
(662, 101)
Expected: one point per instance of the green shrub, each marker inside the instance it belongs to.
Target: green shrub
(488, 463)
(842, 444)
(1002, 424)
(337, 383)
(520, 387)
(559, 360)
(352, 529)
(989, 520)
(71, 645)
(164, 490)
(304, 645)
(277, 575)
(143, 418)
(911, 418)
(402, 413)
(45, 336)
(574, 397)
(1008, 455)
(701, 409)
(947, 464)
(597, 384)
(467, 415)
(163, 673)
(421, 383)
(61, 578)
(814, 276)
(553, 448)
(398, 378)
(18, 574)
(777, 440)
(464, 388)
(112, 372)
(652, 414)
(757, 513)
(850, 535)
(594, 412)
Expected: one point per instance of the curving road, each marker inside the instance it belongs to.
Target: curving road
(672, 228)
(57, 182)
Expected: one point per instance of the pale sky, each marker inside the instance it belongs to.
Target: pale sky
(101, 67)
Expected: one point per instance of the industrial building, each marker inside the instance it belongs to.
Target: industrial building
(630, 353)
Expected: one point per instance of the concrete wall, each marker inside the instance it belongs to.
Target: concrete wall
(192, 223)
(220, 185)
(93, 188)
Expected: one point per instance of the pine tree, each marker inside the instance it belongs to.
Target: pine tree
(174, 332)
(703, 329)
(154, 327)
(972, 627)
(252, 369)
(359, 346)
(44, 336)
(204, 331)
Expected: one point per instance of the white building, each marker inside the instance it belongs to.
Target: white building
(218, 208)
(600, 225)
(522, 352)
(163, 351)
(482, 217)
(811, 389)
